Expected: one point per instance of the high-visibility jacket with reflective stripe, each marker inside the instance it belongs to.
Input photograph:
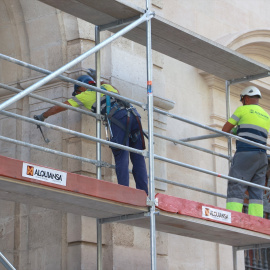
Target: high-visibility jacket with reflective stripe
(253, 124)
(88, 99)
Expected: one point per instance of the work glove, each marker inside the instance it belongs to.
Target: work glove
(92, 72)
(234, 130)
(39, 117)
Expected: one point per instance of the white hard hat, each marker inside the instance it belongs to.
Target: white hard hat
(250, 91)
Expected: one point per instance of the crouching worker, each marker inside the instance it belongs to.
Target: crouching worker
(125, 124)
(249, 162)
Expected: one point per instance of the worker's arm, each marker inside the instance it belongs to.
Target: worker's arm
(53, 110)
(228, 127)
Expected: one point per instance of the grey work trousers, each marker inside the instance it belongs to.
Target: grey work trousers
(249, 166)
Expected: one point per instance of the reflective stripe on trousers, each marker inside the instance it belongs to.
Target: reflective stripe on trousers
(253, 208)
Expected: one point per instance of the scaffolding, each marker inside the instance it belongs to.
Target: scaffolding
(210, 57)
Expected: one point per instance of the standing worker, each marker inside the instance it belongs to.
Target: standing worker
(125, 126)
(249, 162)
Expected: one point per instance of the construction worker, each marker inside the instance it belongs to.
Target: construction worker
(125, 126)
(249, 162)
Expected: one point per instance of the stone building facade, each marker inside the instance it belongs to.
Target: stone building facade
(37, 238)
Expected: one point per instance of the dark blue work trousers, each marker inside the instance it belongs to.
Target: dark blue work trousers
(122, 157)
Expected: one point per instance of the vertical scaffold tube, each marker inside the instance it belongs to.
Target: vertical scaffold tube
(98, 147)
(234, 250)
(228, 115)
(150, 142)
(99, 245)
(98, 122)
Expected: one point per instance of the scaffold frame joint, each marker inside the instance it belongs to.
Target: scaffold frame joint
(151, 202)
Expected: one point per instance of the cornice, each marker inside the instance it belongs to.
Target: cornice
(30, 81)
(217, 117)
(163, 103)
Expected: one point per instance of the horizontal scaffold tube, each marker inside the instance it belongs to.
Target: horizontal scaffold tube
(189, 145)
(75, 133)
(124, 217)
(189, 187)
(159, 179)
(203, 137)
(174, 116)
(249, 78)
(145, 17)
(95, 162)
(175, 162)
(117, 23)
(13, 89)
(66, 79)
(47, 150)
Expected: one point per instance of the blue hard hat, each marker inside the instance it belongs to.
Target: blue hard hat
(85, 79)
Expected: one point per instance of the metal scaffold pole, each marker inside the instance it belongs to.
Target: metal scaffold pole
(151, 142)
(228, 115)
(98, 145)
(99, 245)
(98, 122)
(234, 258)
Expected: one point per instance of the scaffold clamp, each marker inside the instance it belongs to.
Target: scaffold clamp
(152, 203)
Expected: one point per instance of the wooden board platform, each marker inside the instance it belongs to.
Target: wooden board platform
(203, 230)
(22, 182)
(81, 195)
(215, 214)
(167, 38)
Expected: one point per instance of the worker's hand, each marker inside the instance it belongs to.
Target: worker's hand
(39, 117)
(92, 73)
